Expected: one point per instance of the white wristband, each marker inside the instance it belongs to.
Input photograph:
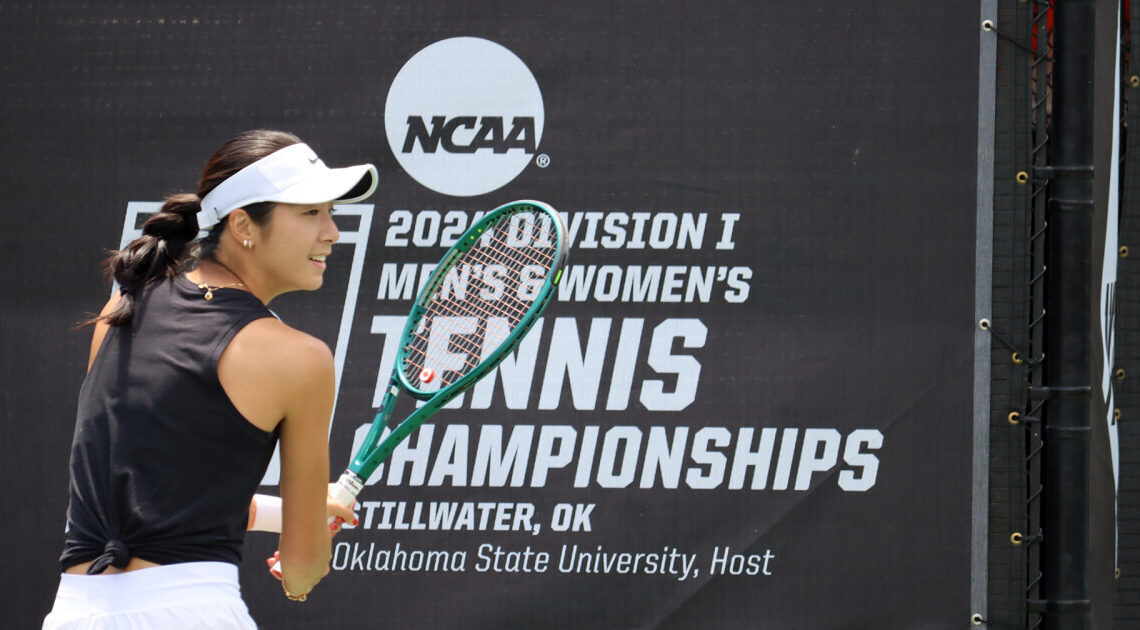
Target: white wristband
(267, 514)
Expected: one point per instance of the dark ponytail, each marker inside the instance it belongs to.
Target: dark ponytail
(158, 253)
(161, 251)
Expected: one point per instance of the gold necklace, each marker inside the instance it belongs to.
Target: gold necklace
(210, 290)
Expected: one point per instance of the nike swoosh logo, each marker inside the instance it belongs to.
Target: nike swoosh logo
(313, 160)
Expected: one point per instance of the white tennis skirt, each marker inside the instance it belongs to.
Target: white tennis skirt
(184, 596)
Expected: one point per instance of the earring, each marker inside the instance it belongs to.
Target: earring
(247, 244)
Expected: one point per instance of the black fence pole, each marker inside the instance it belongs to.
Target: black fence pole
(1065, 520)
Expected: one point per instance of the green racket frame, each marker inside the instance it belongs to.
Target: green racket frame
(368, 458)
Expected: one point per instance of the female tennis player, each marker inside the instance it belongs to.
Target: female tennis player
(191, 383)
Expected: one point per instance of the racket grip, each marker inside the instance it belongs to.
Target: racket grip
(344, 492)
(346, 488)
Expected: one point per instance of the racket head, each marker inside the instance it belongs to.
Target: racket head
(482, 299)
(493, 230)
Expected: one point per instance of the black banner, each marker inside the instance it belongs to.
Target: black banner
(751, 404)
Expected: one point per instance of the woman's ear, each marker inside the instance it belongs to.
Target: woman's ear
(240, 225)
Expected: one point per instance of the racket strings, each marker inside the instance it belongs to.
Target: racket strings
(506, 304)
(443, 315)
(449, 314)
(481, 328)
(483, 312)
(502, 247)
(445, 350)
(460, 337)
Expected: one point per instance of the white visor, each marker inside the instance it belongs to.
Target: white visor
(291, 175)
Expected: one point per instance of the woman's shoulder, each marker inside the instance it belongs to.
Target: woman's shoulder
(270, 370)
(272, 345)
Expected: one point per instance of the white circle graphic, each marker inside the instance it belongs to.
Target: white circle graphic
(464, 116)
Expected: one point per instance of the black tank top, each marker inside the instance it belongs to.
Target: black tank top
(162, 465)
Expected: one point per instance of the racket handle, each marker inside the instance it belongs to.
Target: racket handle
(343, 492)
(346, 488)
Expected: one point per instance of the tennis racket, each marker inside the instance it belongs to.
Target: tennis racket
(476, 307)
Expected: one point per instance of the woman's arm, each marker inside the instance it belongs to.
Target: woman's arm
(305, 545)
(278, 377)
(101, 329)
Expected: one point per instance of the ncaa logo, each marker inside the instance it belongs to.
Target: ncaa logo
(464, 116)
